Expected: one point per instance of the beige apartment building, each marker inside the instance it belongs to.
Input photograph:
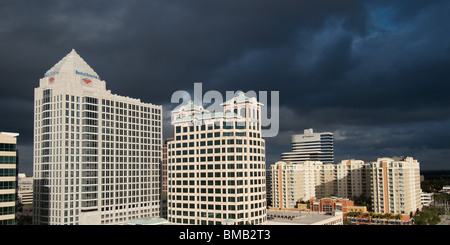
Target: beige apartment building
(293, 182)
(396, 185)
(216, 164)
(393, 184)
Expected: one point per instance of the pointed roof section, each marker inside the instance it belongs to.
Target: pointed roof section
(72, 62)
(241, 98)
(189, 106)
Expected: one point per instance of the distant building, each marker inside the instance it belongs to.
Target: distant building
(25, 189)
(269, 187)
(311, 146)
(9, 159)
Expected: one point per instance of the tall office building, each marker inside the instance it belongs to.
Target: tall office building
(310, 146)
(96, 154)
(9, 160)
(216, 171)
(396, 185)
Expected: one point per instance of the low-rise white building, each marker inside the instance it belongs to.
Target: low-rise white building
(426, 199)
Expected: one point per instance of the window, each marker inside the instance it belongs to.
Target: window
(7, 147)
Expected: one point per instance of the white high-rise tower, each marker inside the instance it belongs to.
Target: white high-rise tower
(96, 154)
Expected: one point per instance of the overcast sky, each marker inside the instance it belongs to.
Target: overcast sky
(375, 73)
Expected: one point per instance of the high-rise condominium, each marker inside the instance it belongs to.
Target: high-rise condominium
(8, 177)
(310, 146)
(216, 168)
(96, 154)
(396, 185)
(294, 182)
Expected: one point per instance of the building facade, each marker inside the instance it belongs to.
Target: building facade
(311, 146)
(329, 204)
(216, 165)
(9, 160)
(96, 154)
(352, 178)
(396, 185)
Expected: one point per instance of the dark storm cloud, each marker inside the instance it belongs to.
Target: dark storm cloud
(374, 72)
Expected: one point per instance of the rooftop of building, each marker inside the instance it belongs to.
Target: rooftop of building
(190, 106)
(10, 134)
(311, 131)
(240, 98)
(148, 221)
(72, 62)
(206, 116)
(286, 217)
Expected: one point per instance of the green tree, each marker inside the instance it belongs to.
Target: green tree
(429, 216)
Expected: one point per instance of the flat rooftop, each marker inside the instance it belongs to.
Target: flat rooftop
(280, 217)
